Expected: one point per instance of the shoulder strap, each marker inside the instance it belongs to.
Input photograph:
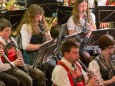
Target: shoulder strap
(78, 67)
(75, 79)
(63, 65)
(68, 70)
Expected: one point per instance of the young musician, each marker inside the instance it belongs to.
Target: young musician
(68, 72)
(104, 64)
(33, 29)
(25, 73)
(81, 19)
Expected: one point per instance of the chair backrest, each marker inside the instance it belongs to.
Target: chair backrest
(63, 32)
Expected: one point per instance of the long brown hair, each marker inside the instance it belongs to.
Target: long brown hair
(75, 12)
(29, 18)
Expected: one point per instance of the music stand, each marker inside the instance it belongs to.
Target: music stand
(79, 37)
(97, 33)
(45, 55)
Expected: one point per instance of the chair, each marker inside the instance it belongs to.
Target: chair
(63, 32)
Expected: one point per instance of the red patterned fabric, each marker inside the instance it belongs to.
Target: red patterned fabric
(72, 74)
(11, 55)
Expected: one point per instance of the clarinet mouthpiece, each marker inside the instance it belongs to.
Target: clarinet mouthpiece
(84, 12)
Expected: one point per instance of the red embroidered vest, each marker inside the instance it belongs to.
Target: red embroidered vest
(11, 54)
(75, 78)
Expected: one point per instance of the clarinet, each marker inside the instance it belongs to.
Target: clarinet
(87, 23)
(24, 68)
(93, 74)
(42, 30)
(8, 61)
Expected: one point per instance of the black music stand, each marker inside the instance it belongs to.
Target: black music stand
(45, 55)
(46, 60)
(92, 46)
(97, 33)
(79, 37)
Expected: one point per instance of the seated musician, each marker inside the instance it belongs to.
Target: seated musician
(35, 27)
(79, 21)
(68, 72)
(24, 73)
(104, 64)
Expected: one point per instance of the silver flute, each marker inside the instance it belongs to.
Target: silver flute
(93, 74)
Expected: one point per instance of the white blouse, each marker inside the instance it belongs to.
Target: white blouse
(72, 26)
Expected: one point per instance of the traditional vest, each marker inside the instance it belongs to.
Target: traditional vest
(107, 70)
(74, 78)
(10, 52)
(37, 39)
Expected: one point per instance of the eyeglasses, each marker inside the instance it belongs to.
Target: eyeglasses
(110, 47)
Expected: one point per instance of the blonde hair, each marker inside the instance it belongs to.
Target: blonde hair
(75, 12)
(29, 18)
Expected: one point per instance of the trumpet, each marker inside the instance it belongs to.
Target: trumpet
(93, 74)
(24, 68)
(8, 61)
